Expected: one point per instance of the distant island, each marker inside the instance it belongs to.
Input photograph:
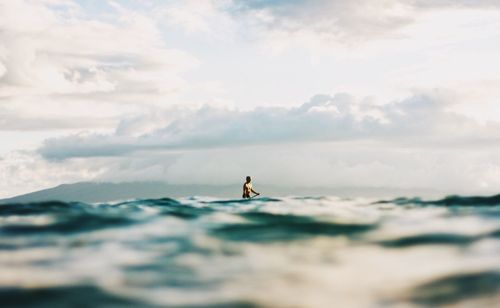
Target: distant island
(104, 191)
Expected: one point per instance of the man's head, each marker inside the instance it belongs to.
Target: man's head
(249, 179)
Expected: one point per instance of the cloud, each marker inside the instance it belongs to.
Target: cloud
(355, 164)
(418, 119)
(66, 66)
(198, 16)
(471, 4)
(347, 15)
(331, 20)
(63, 62)
(335, 20)
(25, 171)
(56, 53)
(325, 164)
(338, 24)
(10, 121)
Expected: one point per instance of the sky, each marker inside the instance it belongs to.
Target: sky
(401, 94)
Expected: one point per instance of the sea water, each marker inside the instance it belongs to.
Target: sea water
(264, 252)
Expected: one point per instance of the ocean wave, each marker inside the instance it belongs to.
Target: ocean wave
(456, 288)
(448, 201)
(243, 201)
(207, 252)
(266, 227)
(63, 296)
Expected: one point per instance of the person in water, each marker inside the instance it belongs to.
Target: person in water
(247, 188)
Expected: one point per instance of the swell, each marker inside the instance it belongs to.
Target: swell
(67, 224)
(242, 201)
(265, 227)
(88, 296)
(63, 218)
(63, 296)
(438, 239)
(455, 288)
(199, 244)
(257, 225)
(454, 200)
(60, 206)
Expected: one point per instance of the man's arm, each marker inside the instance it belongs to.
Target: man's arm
(254, 192)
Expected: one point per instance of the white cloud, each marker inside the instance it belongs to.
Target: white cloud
(198, 16)
(23, 171)
(419, 119)
(11, 121)
(54, 53)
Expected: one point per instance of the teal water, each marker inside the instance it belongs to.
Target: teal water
(267, 252)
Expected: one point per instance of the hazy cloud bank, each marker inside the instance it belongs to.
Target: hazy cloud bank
(355, 164)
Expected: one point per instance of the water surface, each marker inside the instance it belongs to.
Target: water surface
(267, 252)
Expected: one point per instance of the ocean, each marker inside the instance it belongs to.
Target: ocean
(264, 252)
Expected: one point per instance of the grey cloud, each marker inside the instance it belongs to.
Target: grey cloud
(344, 21)
(335, 21)
(323, 118)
